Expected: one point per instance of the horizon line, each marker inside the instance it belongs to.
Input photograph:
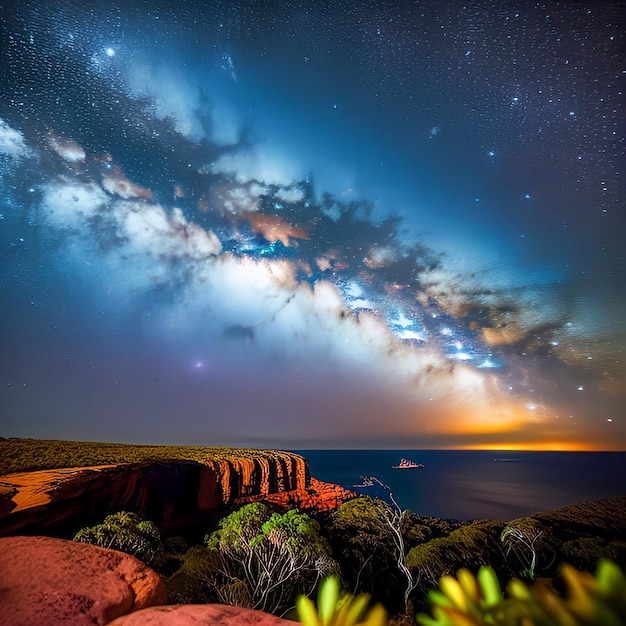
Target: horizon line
(302, 446)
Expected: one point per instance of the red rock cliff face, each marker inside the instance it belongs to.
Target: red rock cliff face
(170, 493)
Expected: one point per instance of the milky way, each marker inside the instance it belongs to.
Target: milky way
(314, 224)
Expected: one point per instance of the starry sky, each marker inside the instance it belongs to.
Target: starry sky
(369, 224)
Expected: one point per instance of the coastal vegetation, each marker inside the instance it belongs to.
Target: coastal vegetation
(468, 599)
(265, 555)
(258, 559)
(125, 532)
(262, 557)
(29, 455)
(363, 545)
(470, 545)
(583, 599)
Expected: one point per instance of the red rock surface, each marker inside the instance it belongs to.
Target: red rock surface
(7, 493)
(176, 493)
(50, 582)
(318, 496)
(198, 615)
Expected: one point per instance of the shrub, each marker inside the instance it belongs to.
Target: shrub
(527, 543)
(585, 552)
(471, 545)
(363, 544)
(198, 580)
(257, 559)
(125, 532)
(417, 529)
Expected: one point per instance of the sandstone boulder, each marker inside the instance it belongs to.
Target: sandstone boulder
(50, 582)
(199, 615)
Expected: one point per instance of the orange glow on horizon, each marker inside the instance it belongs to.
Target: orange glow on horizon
(538, 446)
(497, 425)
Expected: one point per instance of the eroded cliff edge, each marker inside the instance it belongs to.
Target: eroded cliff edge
(172, 493)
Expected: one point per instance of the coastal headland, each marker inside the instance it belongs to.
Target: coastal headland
(172, 499)
(59, 486)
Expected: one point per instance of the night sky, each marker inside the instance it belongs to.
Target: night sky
(314, 224)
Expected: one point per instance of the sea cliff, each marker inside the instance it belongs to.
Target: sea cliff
(174, 492)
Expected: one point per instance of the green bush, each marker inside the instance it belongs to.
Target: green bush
(257, 559)
(125, 532)
(585, 552)
(363, 544)
(529, 547)
(199, 579)
(418, 529)
(470, 545)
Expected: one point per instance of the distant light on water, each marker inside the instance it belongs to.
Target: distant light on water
(470, 484)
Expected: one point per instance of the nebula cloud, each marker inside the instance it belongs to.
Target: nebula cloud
(200, 262)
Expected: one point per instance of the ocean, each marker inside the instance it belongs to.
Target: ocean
(466, 485)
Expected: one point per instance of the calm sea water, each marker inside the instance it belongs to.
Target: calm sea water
(470, 484)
